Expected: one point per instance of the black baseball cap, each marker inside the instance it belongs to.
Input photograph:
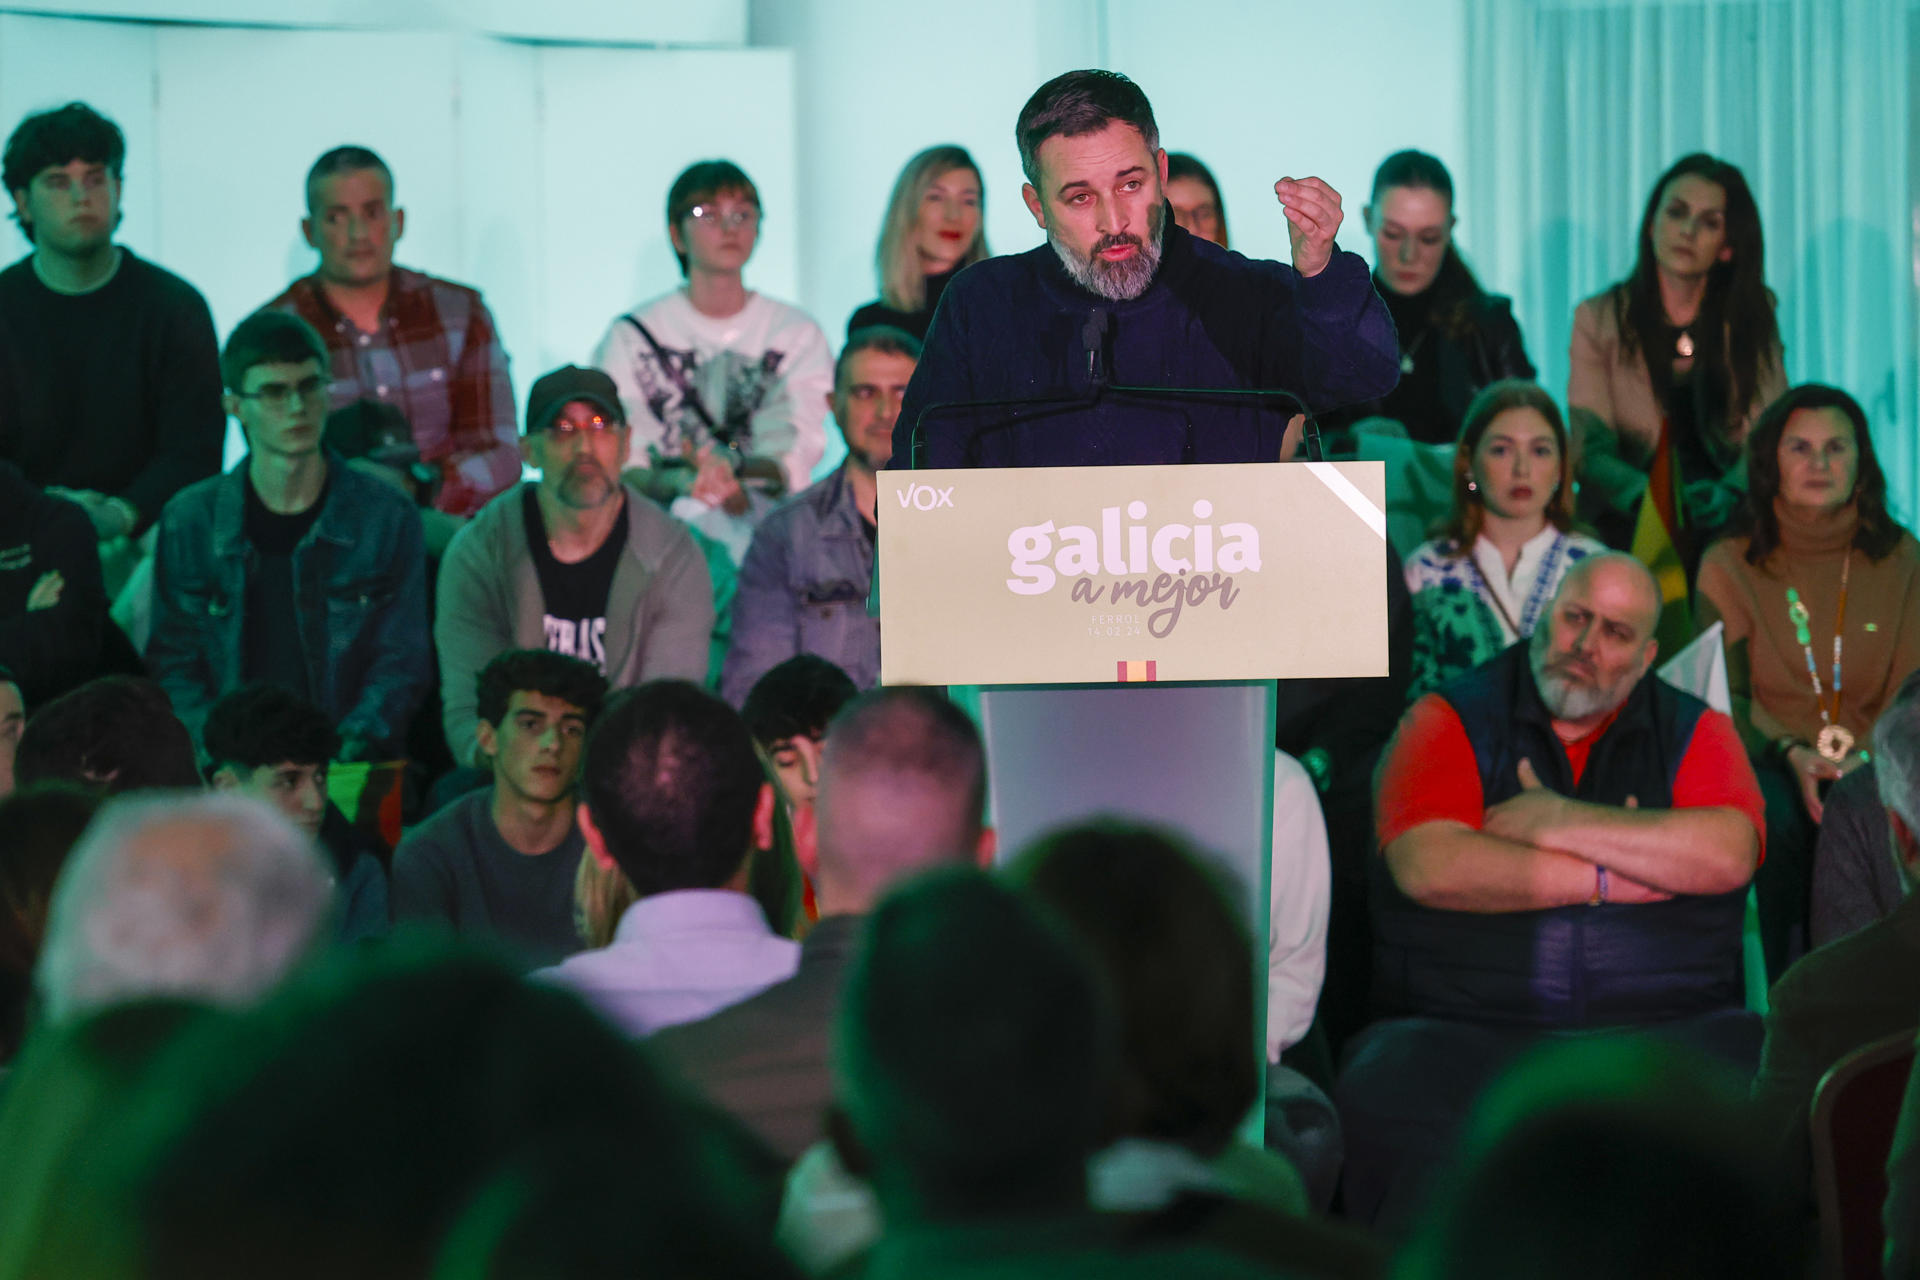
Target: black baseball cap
(552, 391)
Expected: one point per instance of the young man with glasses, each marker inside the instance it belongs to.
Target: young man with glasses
(576, 562)
(109, 367)
(725, 387)
(423, 345)
(294, 568)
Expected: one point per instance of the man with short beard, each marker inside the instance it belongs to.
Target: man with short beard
(575, 562)
(1121, 295)
(1566, 844)
(803, 587)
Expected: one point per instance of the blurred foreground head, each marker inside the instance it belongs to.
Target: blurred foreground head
(1611, 1160)
(973, 1051)
(206, 896)
(417, 1112)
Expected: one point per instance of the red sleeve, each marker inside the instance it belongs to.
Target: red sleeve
(1429, 773)
(1715, 772)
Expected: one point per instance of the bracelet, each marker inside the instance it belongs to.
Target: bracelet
(1599, 887)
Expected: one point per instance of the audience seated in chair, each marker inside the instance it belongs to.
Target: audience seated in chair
(1854, 882)
(1174, 950)
(1484, 583)
(39, 825)
(109, 367)
(424, 346)
(975, 1058)
(264, 742)
(933, 226)
(1566, 843)
(116, 733)
(501, 862)
(1863, 986)
(804, 584)
(451, 1120)
(1683, 354)
(293, 568)
(1610, 1160)
(575, 562)
(1818, 555)
(673, 806)
(74, 1101)
(725, 387)
(788, 711)
(54, 629)
(902, 787)
(208, 897)
(1455, 338)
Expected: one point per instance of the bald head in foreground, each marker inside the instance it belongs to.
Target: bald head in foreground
(902, 790)
(1566, 842)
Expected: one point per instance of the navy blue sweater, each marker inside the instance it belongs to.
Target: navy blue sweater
(1013, 326)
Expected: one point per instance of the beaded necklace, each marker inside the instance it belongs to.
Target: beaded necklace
(1835, 739)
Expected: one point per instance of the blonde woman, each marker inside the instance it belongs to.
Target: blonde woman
(933, 228)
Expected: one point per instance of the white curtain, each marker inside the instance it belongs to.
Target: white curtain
(1575, 107)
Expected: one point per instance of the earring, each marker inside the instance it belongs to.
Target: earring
(1473, 487)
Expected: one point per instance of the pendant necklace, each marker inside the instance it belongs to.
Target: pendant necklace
(1835, 739)
(1406, 356)
(1683, 346)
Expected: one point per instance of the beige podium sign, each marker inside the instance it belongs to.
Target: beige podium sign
(1093, 575)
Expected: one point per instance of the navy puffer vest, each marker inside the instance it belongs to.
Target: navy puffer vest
(1569, 967)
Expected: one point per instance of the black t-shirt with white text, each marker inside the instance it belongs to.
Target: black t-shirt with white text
(575, 595)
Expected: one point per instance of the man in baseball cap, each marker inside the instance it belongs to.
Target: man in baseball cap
(575, 562)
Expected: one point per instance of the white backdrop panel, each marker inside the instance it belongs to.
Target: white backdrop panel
(618, 125)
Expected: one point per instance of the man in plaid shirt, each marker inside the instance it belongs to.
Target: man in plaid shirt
(424, 345)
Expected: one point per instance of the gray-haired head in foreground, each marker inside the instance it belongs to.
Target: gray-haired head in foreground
(211, 897)
(1896, 753)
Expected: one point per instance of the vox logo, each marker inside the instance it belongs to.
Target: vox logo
(924, 497)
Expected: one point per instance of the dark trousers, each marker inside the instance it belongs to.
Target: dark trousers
(1783, 886)
(1409, 1085)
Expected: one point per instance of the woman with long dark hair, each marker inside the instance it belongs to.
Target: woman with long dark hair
(1455, 337)
(933, 227)
(1195, 197)
(1484, 582)
(1688, 339)
(1820, 595)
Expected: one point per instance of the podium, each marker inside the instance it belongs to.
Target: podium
(1123, 628)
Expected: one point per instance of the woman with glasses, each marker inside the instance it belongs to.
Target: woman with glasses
(725, 389)
(1687, 341)
(932, 229)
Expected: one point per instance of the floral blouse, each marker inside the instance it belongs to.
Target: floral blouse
(1465, 607)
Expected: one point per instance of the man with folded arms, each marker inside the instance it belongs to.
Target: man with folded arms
(1566, 844)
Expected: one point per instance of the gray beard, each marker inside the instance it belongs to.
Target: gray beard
(1566, 698)
(1116, 281)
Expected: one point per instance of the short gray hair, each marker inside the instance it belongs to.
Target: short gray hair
(1896, 753)
(212, 897)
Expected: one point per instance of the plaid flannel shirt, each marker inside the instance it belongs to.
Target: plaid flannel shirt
(437, 358)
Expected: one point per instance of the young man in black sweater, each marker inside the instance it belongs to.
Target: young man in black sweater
(109, 367)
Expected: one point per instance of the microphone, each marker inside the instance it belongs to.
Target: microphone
(1092, 338)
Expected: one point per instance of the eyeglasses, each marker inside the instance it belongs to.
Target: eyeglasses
(279, 395)
(596, 426)
(712, 214)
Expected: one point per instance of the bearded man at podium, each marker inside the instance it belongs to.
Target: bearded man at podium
(1043, 358)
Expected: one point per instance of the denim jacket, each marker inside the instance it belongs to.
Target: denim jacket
(803, 589)
(359, 574)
